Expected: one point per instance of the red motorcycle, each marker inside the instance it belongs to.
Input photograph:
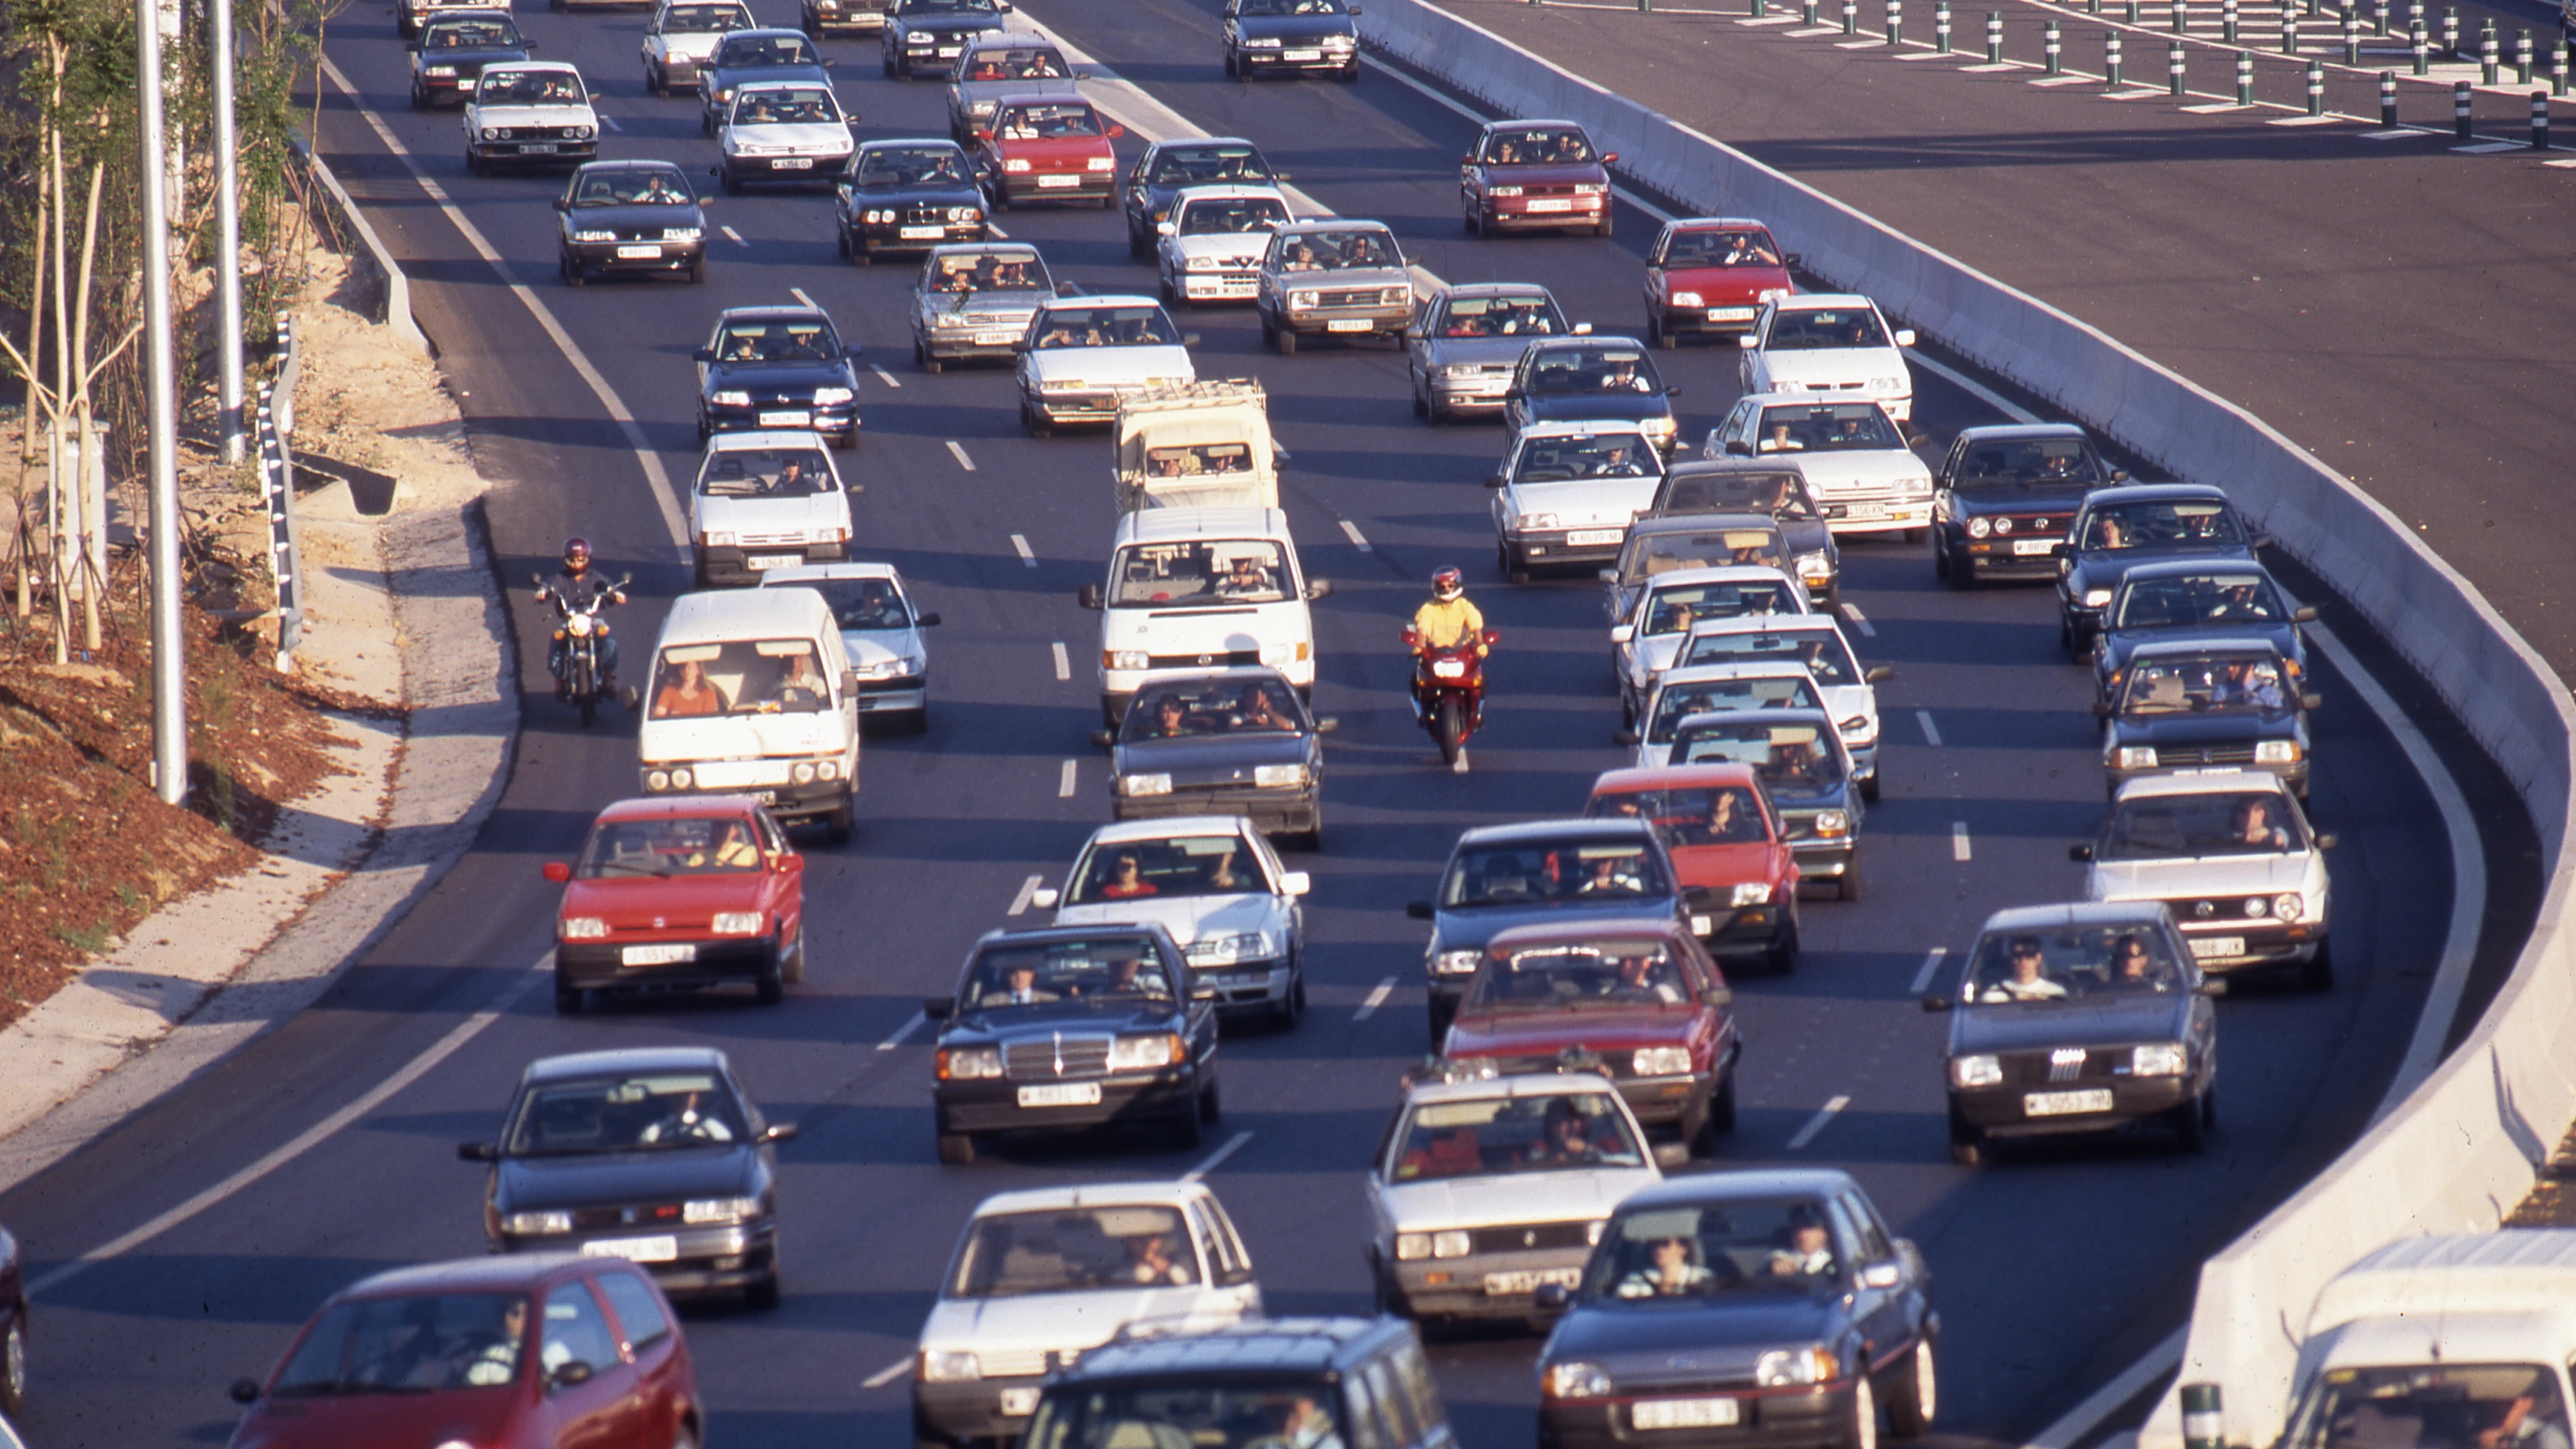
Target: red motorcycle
(1449, 691)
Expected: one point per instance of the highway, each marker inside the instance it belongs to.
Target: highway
(2052, 1268)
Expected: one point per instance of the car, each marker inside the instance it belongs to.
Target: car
(752, 691)
(880, 630)
(13, 1326)
(1463, 342)
(1591, 380)
(1165, 167)
(529, 111)
(1710, 275)
(1047, 148)
(677, 894)
(1486, 1186)
(1243, 744)
(765, 500)
(974, 301)
(651, 1154)
(906, 196)
(998, 63)
(1535, 873)
(1643, 645)
(1211, 881)
(2004, 495)
(1044, 1278)
(819, 18)
(790, 132)
(1679, 701)
(1567, 492)
(2189, 599)
(2195, 704)
(1210, 250)
(1069, 1029)
(1660, 544)
(630, 217)
(1836, 344)
(1309, 1379)
(1199, 588)
(1858, 462)
(927, 36)
(410, 16)
(1771, 487)
(683, 35)
(1802, 762)
(1755, 1307)
(1265, 37)
(2236, 861)
(1818, 643)
(1080, 355)
(769, 368)
(2119, 528)
(1726, 840)
(1332, 278)
(2079, 1018)
(746, 57)
(453, 48)
(447, 1345)
(1534, 175)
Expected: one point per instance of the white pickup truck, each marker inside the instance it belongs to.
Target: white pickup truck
(1197, 445)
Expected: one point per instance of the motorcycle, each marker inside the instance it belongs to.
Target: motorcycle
(1449, 691)
(579, 631)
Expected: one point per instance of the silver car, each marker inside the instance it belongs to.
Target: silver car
(2235, 858)
(997, 64)
(974, 301)
(1333, 278)
(1462, 345)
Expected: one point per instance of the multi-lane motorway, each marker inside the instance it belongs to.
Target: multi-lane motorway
(2052, 1268)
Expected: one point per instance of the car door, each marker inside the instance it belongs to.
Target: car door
(1429, 316)
(592, 1391)
(1139, 203)
(1655, 285)
(1292, 912)
(650, 1338)
(1471, 175)
(1906, 1302)
(1752, 371)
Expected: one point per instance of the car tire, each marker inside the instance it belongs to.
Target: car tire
(2191, 1126)
(1862, 1431)
(13, 1371)
(1847, 885)
(419, 97)
(574, 274)
(1285, 339)
(1967, 1144)
(771, 985)
(1171, 298)
(1349, 74)
(1782, 958)
(956, 1149)
(1869, 788)
(885, 61)
(1941, 562)
(840, 238)
(762, 1296)
(732, 183)
(1186, 1131)
(698, 271)
(1719, 1118)
(926, 1437)
(1038, 427)
(838, 825)
(1911, 1404)
(929, 360)
(1472, 217)
(1269, 333)
(568, 998)
(791, 966)
(1656, 333)
(473, 163)
(861, 255)
(1211, 1102)
(2317, 972)
(1604, 228)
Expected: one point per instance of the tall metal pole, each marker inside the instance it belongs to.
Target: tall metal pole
(228, 213)
(161, 391)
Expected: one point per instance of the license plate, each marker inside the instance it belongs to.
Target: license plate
(996, 339)
(791, 163)
(1348, 324)
(2204, 947)
(2033, 547)
(949, 50)
(1528, 1280)
(634, 1250)
(1730, 314)
(1864, 510)
(1047, 182)
(537, 148)
(1019, 1403)
(787, 420)
(657, 955)
(1590, 537)
(921, 233)
(776, 560)
(639, 254)
(1684, 1413)
(1301, 55)
(2066, 1104)
(1552, 204)
(1061, 1094)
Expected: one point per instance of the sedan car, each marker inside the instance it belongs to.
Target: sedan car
(1080, 355)
(975, 301)
(2190, 599)
(1591, 380)
(880, 631)
(2193, 704)
(651, 1154)
(1644, 644)
(1802, 762)
(2235, 860)
(1464, 342)
(1265, 37)
(819, 18)
(453, 48)
(1535, 175)
(921, 37)
(1710, 274)
(1222, 741)
(782, 132)
(630, 216)
(1487, 1187)
(1817, 643)
(2140, 523)
(1567, 493)
(743, 57)
(778, 367)
(1070, 1029)
(1726, 840)
(765, 500)
(1213, 882)
(530, 1351)
(1766, 1307)
(1332, 278)
(530, 111)
(1771, 487)
(2079, 1018)
(683, 35)
(1042, 148)
(1660, 544)
(1859, 464)
(906, 196)
(1836, 345)
(1680, 702)
(1210, 250)
(675, 894)
(13, 1326)
(1168, 166)
(2004, 495)
(996, 64)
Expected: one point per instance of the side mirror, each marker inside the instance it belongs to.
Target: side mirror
(1738, 448)
(1189, 339)
(557, 871)
(926, 621)
(1296, 883)
(1717, 996)
(1881, 1275)
(1609, 158)
(703, 354)
(1878, 674)
(938, 1008)
(852, 122)
(2080, 854)
(792, 864)
(1103, 739)
(1904, 336)
(2063, 550)
(854, 352)
(1167, 228)
(1582, 329)
(1624, 735)
(565, 1375)
(1551, 1296)
(563, 203)
(478, 1152)
(2327, 840)
(1622, 633)
(1088, 596)
(2312, 701)
(1417, 910)
(1748, 342)
(244, 1391)
(1608, 576)
(1045, 897)
(1116, 129)
(1082, 75)
(983, 133)
(1327, 725)
(1497, 480)
(1467, 160)
(1672, 392)
(2304, 614)
(2102, 709)
(849, 681)
(2119, 475)
(1936, 1003)
(778, 1132)
(1318, 589)
(2212, 986)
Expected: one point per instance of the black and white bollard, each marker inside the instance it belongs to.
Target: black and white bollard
(2111, 57)
(2522, 57)
(2174, 61)
(1851, 17)
(2423, 48)
(2245, 78)
(2489, 56)
(1941, 27)
(1896, 22)
(2316, 87)
(1994, 37)
(2388, 100)
(2289, 27)
(2181, 18)
(2352, 37)
(2558, 69)
(2204, 1424)
(2540, 120)
(1808, 14)
(2379, 18)
(2460, 103)
(2055, 49)
(2451, 31)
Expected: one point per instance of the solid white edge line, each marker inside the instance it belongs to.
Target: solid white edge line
(1233, 1145)
(888, 1374)
(957, 450)
(611, 123)
(1028, 888)
(1824, 1116)
(1931, 731)
(1351, 531)
(1931, 967)
(905, 1030)
(1376, 998)
(1063, 662)
(1020, 545)
(885, 377)
(1066, 779)
(2079, 1421)
(1959, 849)
(799, 294)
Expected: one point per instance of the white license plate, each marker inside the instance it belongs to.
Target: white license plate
(2033, 547)
(1046, 183)
(948, 50)
(1685, 1413)
(1349, 324)
(996, 339)
(2204, 947)
(1301, 55)
(787, 420)
(1019, 1403)
(1061, 1094)
(2066, 1104)
(1553, 203)
(639, 254)
(657, 955)
(1591, 537)
(634, 1250)
(791, 163)
(776, 560)
(1864, 510)
(921, 233)
(537, 148)
(1527, 1280)
(1730, 314)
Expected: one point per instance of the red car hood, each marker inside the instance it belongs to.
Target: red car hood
(381, 1421)
(680, 899)
(1545, 175)
(1599, 1028)
(1063, 153)
(1731, 283)
(1726, 865)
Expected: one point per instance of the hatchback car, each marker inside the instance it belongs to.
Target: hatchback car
(1775, 489)
(1838, 346)
(1213, 882)
(1166, 167)
(881, 630)
(906, 196)
(1592, 380)
(2194, 704)
(925, 37)
(2236, 861)
(1660, 544)
(2004, 495)
(975, 302)
(1802, 762)
(2187, 599)
(2118, 529)
(1858, 463)
(1535, 175)
(453, 48)
(1567, 492)
(1080, 355)
(1332, 278)
(1233, 741)
(529, 112)
(629, 216)
(1711, 275)
(1726, 840)
(1210, 250)
(765, 500)
(1818, 643)
(683, 35)
(1681, 700)
(1047, 148)
(679, 894)
(996, 64)
(1264, 1381)
(782, 133)
(1265, 37)
(748, 57)
(1464, 342)
(1670, 604)
(768, 368)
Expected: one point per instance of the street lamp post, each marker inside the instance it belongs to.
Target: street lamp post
(169, 671)
(228, 215)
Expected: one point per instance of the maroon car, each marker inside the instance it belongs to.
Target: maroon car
(1711, 274)
(1531, 174)
(530, 1351)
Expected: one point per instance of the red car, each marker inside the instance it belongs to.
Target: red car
(1711, 275)
(1047, 148)
(530, 1351)
(685, 891)
(1641, 995)
(1724, 837)
(1533, 174)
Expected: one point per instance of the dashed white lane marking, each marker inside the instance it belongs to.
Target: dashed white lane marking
(995, 232)
(1376, 998)
(887, 1375)
(1931, 967)
(1233, 1145)
(957, 450)
(1859, 620)
(734, 236)
(1065, 781)
(1352, 531)
(1931, 731)
(1824, 1117)
(611, 123)
(1022, 545)
(1959, 840)
(1063, 662)
(905, 1030)
(799, 294)
(1028, 888)
(888, 377)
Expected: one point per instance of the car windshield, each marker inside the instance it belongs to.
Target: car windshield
(1199, 574)
(1677, 702)
(1049, 121)
(1191, 460)
(2449, 1405)
(1179, 865)
(858, 604)
(688, 845)
(1018, 62)
(2198, 600)
(1653, 552)
(791, 341)
(1819, 329)
(412, 1344)
(1712, 1250)
(1495, 1136)
(1689, 815)
(633, 186)
(1073, 1250)
(759, 50)
(740, 676)
(1604, 455)
(700, 19)
(2015, 968)
(786, 106)
(1212, 708)
(766, 473)
(1190, 165)
(1537, 146)
(998, 269)
(530, 88)
(2216, 683)
(1121, 967)
(1513, 314)
(646, 1111)
(1827, 657)
(1721, 247)
(908, 166)
(1339, 249)
(2191, 523)
(1673, 610)
(1210, 216)
(1134, 326)
(1559, 371)
(1837, 428)
(1554, 872)
(1199, 1412)
(472, 35)
(1608, 973)
(1795, 761)
(1290, 7)
(2010, 464)
(1783, 496)
(2197, 827)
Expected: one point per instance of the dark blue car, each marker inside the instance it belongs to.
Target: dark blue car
(2119, 529)
(778, 368)
(2188, 599)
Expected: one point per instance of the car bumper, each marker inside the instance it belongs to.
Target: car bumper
(708, 1260)
(1568, 546)
(846, 18)
(914, 60)
(1068, 185)
(1344, 322)
(1218, 286)
(963, 343)
(1823, 859)
(713, 962)
(1803, 1417)
(612, 256)
(1846, 517)
(895, 237)
(1280, 811)
(973, 1410)
(1747, 929)
(1994, 558)
(988, 1106)
(2257, 947)
(797, 170)
(1469, 396)
(1483, 1285)
(787, 802)
(899, 694)
(746, 565)
(1663, 1101)
(2004, 1112)
(1727, 320)
(1263, 60)
(1089, 406)
(840, 418)
(438, 88)
(2295, 775)
(1245, 985)
(1585, 211)
(549, 153)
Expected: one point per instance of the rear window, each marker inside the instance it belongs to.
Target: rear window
(1678, 702)
(1782, 495)
(1592, 871)
(1827, 658)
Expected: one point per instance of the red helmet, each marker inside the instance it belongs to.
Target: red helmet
(576, 555)
(1448, 583)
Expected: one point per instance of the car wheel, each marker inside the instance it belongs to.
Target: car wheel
(1604, 228)
(1656, 332)
(1869, 788)
(1038, 426)
(885, 61)
(575, 273)
(1269, 334)
(1285, 339)
(2317, 972)
(841, 238)
(771, 986)
(762, 1295)
(1235, 67)
(419, 98)
(956, 1149)
(1941, 562)
(926, 1437)
(1171, 298)
(698, 270)
(473, 163)
(2191, 1128)
(1421, 395)
(791, 967)
(1186, 1130)
(1910, 1407)
(1782, 958)
(838, 825)
(567, 997)
(1472, 216)
(732, 183)
(861, 254)
(929, 360)
(1721, 1111)
(1862, 1432)
(1967, 1144)
(1136, 247)
(1349, 73)
(1847, 886)
(1211, 1102)
(13, 1371)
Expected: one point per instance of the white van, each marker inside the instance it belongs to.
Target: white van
(751, 694)
(1202, 588)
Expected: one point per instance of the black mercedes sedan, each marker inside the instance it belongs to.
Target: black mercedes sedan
(1592, 380)
(778, 367)
(1073, 1028)
(755, 55)
(2003, 496)
(453, 48)
(2120, 528)
(925, 37)
(2079, 1018)
(1761, 1309)
(2203, 706)
(1221, 742)
(907, 196)
(1265, 37)
(652, 1154)
(630, 216)
(1743, 485)
(1167, 166)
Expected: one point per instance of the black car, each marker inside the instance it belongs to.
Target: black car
(925, 37)
(1265, 37)
(2079, 1018)
(1769, 1308)
(778, 367)
(907, 196)
(755, 55)
(2189, 599)
(452, 50)
(2003, 496)
(1741, 485)
(1073, 1028)
(1167, 166)
(1592, 380)
(2118, 529)
(1330, 1381)
(2198, 705)
(629, 216)
(13, 1326)
(649, 1153)
(1223, 742)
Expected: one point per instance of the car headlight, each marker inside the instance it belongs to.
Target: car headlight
(737, 923)
(1280, 656)
(2159, 1059)
(1981, 527)
(731, 397)
(1815, 566)
(949, 1366)
(720, 1211)
(2288, 906)
(1535, 522)
(719, 538)
(825, 397)
(2097, 598)
(1576, 1380)
(1794, 1366)
(1859, 728)
(1159, 784)
(2135, 757)
(1396, 296)
(1100, 163)
(1687, 299)
(683, 778)
(951, 319)
(584, 928)
(916, 38)
(965, 214)
(442, 70)
(1663, 427)
(1340, 42)
(1502, 191)
(1662, 1061)
(1239, 946)
(1451, 1244)
(801, 773)
(680, 233)
(882, 668)
(1752, 893)
(967, 1064)
(552, 1220)
(1302, 299)
(657, 779)
(1461, 371)
(979, 108)
(1125, 659)
(1830, 823)
(2258, 907)
(1790, 384)
(496, 133)
(1278, 777)
(2276, 752)
(1143, 1053)
(827, 770)
(1015, 163)
(1590, 188)
(1977, 1071)
(1200, 264)
(581, 133)
(723, 95)
(1456, 963)
(1412, 1246)
(594, 234)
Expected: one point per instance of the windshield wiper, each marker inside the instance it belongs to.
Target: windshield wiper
(342, 1387)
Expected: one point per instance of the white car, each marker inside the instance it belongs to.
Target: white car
(1568, 491)
(1202, 588)
(880, 629)
(785, 131)
(683, 35)
(1860, 467)
(765, 500)
(1080, 355)
(1044, 1276)
(1680, 694)
(1463, 1223)
(1643, 644)
(2234, 856)
(1210, 247)
(532, 110)
(1817, 642)
(1834, 344)
(1216, 885)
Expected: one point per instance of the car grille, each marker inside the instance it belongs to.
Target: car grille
(1530, 1237)
(1209, 660)
(2028, 524)
(1024, 1363)
(794, 537)
(1047, 1058)
(1364, 297)
(1567, 190)
(591, 1220)
(2229, 754)
(922, 213)
(2212, 912)
(2061, 1066)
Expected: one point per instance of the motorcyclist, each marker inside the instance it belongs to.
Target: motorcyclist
(577, 587)
(1447, 621)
